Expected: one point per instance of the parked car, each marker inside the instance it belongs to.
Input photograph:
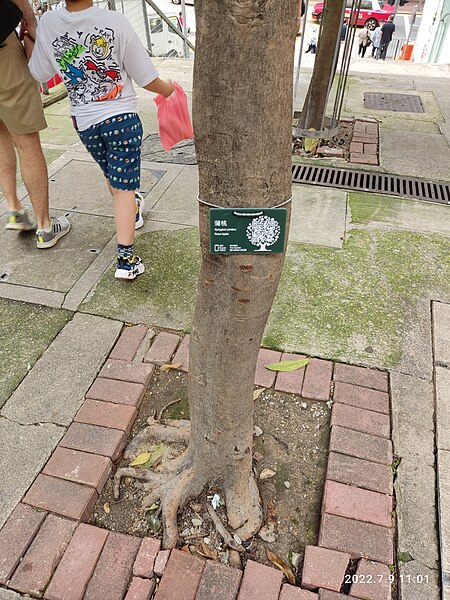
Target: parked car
(370, 14)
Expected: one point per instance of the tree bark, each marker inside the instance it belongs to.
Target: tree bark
(315, 104)
(242, 112)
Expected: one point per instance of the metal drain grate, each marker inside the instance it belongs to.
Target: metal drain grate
(380, 183)
(394, 102)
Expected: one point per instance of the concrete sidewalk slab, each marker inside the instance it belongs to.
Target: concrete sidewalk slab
(54, 388)
(179, 203)
(24, 450)
(60, 267)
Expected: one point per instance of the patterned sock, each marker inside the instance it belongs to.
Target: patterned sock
(124, 252)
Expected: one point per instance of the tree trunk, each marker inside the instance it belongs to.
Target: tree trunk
(315, 104)
(242, 111)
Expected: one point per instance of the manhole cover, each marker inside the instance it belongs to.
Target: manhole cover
(182, 154)
(394, 102)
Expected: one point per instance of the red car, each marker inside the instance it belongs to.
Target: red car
(370, 14)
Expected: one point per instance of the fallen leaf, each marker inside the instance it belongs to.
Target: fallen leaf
(286, 569)
(207, 552)
(107, 508)
(197, 522)
(288, 365)
(267, 533)
(267, 474)
(154, 521)
(257, 393)
(169, 367)
(310, 144)
(140, 459)
(156, 455)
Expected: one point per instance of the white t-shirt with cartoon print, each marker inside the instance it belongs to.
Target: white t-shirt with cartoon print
(97, 54)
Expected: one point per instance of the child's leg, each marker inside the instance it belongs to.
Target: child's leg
(124, 215)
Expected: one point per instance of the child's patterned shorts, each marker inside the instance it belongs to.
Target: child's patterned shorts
(116, 145)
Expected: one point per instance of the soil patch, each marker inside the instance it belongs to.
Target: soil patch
(291, 440)
(336, 147)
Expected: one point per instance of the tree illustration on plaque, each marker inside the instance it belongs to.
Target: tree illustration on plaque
(263, 231)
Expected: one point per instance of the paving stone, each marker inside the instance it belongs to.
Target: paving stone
(290, 592)
(145, 559)
(64, 372)
(324, 568)
(81, 467)
(429, 589)
(331, 152)
(292, 381)
(260, 582)
(128, 343)
(357, 147)
(361, 445)
(162, 349)
(317, 382)
(371, 378)
(62, 497)
(371, 149)
(97, 440)
(443, 460)
(118, 392)
(366, 421)
(10, 595)
(359, 127)
(161, 561)
(78, 563)
(362, 473)
(363, 159)
(355, 503)
(361, 397)
(107, 414)
(181, 577)
(42, 557)
(357, 538)
(372, 581)
(365, 138)
(219, 582)
(127, 371)
(372, 128)
(114, 567)
(329, 595)
(264, 377)
(441, 326)
(140, 589)
(15, 537)
(442, 382)
(182, 354)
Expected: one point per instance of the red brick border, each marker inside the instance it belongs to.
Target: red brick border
(48, 551)
(365, 142)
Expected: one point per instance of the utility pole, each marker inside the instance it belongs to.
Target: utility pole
(396, 5)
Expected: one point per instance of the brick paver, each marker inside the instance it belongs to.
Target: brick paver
(140, 589)
(324, 568)
(62, 497)
(118, 392)
(219, 582)
(355, 503)
(292, 381)
(290, 592)
(360, 419)
(42, 557)
(329, 595)
(15, 537)
(357, 538)
(363, 159)
(162, 349)
(161, 562)
(181, 577)
(357, 147)
(261, 582)
(97, 440)
(361, 445)
(127, 371)
(317, 382)
(128, 343)
(372, 581)
(114, 567)
(371, 378)
(77, 565)
(362, 473)
(264, 377)
(182, 354)
(81, 467)
(107, 414)
(145, 559)
(371, 149)
(361, 397)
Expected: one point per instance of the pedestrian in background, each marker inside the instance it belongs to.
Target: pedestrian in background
(364, 41)
(344, 30)
(21, 120)
(312, 44)
(387, 31)
(376, 38)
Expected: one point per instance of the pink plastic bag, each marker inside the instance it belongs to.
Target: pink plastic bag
(173, 118)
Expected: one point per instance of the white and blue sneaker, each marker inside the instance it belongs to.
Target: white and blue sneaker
(140, 205)
(129, 268)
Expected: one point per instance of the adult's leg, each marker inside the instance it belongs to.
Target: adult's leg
(8, 169)
(34, 174)
(364, 48)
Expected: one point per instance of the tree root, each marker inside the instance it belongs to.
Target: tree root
(176, 433)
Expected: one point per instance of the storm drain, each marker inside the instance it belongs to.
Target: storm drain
(394, 102)
(366, 181)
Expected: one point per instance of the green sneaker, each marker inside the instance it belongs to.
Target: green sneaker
(19, 220)
(47, 239)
